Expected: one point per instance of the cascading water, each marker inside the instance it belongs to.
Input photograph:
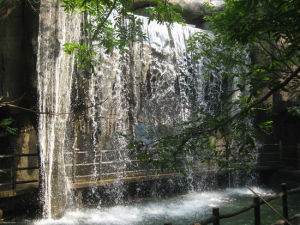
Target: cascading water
(55, 72)
(149, 85)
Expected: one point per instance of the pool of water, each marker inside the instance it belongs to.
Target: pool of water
(180, 210)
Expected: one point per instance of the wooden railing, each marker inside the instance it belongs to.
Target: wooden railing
(216, 217)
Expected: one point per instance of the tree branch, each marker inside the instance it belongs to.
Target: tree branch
(276, 88)
(8, 104)
(99, 27)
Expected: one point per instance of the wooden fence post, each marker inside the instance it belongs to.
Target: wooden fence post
(284, 203)
(256, 202)
(217, 216)
(168, 223)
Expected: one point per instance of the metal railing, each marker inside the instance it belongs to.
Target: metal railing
(12, 171)
(271, 155)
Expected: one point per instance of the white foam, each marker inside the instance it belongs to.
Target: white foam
(183, 206)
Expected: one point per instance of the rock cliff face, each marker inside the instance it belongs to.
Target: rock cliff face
(55, 72)
(18, 45)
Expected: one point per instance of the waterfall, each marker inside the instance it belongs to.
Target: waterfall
(151, 84)
(55, 72)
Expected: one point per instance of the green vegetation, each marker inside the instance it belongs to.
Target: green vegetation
(99, 29)
(270, 32)
(5, 125)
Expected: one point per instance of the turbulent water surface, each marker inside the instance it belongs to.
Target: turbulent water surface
(182, 209)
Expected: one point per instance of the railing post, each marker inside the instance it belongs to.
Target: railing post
(100, 165)
(298, 156)
(256, 202)
(73, 165)
(281, 151)
(13, 172)
(217, 216)
(284, 203)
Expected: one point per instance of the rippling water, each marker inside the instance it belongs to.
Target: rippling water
(182, 209)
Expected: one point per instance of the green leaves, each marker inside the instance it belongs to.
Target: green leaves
(267, 125)
(4, 171)
(83, 54)
(266, 78)
(109, 35)
(162, 12)
(6, 123)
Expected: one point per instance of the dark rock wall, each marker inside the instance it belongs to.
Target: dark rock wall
(287, 127)
(18, 48)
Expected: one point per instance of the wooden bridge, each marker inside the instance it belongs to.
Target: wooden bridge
(105, 167)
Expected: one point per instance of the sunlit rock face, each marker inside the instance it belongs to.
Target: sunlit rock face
(185, 4)
(196, 4)
(55, 71)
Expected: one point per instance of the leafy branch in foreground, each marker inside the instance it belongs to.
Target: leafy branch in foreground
(6, 123)
(255, 48)
(111, 24)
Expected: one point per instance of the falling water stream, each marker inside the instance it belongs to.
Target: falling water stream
(55, 72)
(151, 84)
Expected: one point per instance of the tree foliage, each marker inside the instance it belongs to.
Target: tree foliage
(5, 125)
(255, 48)
(111, 24)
